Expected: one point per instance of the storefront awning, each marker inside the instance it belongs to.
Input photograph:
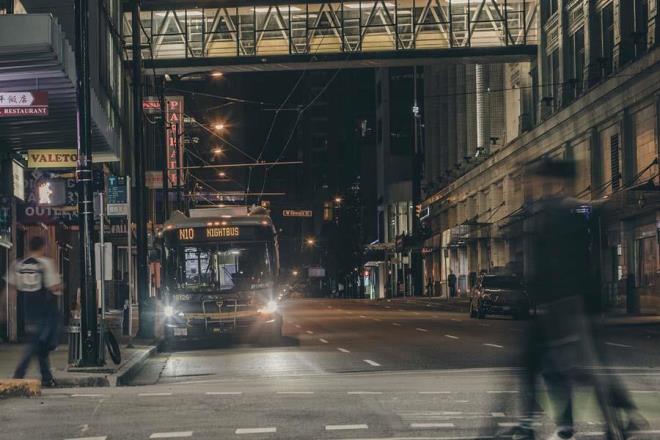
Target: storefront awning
(36, 56)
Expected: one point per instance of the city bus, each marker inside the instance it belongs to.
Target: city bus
(220, 272)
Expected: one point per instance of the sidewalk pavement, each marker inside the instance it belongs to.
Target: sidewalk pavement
(108, 375)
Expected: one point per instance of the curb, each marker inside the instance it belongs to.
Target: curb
(19, 388)
(128, 371)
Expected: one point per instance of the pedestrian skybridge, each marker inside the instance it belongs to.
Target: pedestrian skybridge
(269, 35)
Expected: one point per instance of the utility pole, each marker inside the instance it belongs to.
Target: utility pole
(163, 131)
(84, 177)
(146, 329)
(416, 257)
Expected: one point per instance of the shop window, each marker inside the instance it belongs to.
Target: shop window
(647, 262)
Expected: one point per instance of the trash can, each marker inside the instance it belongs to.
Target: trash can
(75, 343)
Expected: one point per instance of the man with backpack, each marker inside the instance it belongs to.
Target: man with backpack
(36, 279)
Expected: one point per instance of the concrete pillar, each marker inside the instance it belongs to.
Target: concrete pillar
(526, 99)
(624, 44)
(483, 107)
(471, 110)
(654, 23)
(596, 160)
(496, 109)
(450, 116)
(461, 112)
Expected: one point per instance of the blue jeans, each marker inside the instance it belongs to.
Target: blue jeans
(41, 349)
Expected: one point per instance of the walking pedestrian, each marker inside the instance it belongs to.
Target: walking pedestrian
(451, 280)
(36, 279)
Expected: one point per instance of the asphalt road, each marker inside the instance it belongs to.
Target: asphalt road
(344, 370)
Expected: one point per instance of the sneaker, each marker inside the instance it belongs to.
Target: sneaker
(49, 383)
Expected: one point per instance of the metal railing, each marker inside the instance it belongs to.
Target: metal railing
(302, 28)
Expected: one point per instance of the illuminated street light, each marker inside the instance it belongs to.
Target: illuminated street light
(338, 199)
(217, 150)
(220, 126)
(222, 174)
(294, 273)
(310, 241)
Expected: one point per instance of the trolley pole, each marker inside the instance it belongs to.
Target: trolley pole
(88, 321)
(146, 329)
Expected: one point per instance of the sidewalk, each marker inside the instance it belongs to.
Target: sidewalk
(108, 375)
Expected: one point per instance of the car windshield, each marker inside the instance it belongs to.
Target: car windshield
(222, 266)
(502, 282)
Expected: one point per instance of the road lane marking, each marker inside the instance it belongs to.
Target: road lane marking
(502, 392)
(421, 329)
(362, 316)
(297, 326)
(180, 434)
(396, 324)
(613, 344)
(372, 363)
(645, 391)
(295, 392)
(388, 307)
(376, 319)
(309, 332)
(498, 414)
(416, 313)
(102, 437)
(451, 336)
(435, 392)
(431, 425)
(154, 394)
(343, 350)
(484, 325)
(401, 310)
(456, 320)
(345, 427)
(223, 393)
(323, 340)
(365, 392)
(269, 430)
(87, 395)
(493, 345)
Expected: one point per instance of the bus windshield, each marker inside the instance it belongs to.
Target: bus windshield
(221, 266)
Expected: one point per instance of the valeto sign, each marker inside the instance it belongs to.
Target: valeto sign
(52, 158)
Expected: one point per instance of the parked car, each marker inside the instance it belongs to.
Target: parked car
(498, 294)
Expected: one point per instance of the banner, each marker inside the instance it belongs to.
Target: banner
(66, 158)
(15, 104)
(174, 125)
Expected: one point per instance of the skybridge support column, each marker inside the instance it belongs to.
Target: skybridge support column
(145, 307)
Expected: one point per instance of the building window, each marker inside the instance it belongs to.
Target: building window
(641, 24)
(606, 52)
(555, 84)
(647, 262)
(576, 68)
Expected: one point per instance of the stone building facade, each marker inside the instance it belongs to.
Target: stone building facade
(592, 94)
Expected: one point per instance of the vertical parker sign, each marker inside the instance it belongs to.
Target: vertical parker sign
(174, 115)
(17, 104)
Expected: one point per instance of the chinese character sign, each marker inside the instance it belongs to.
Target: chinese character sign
(16, 104)
(174, 126)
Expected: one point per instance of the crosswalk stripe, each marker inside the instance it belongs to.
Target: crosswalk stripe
(268, 430)
(431, 425)
(365, 392)
(102, 437)
(180, 434)
(223, 393)
(345, 427)
(154, 394)
(493, 345)
(323, 340)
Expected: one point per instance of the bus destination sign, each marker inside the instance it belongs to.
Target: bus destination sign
(208, 233)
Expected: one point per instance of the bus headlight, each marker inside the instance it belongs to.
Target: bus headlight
(270, 308)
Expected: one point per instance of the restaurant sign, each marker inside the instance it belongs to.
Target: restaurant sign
(14, 104)
(52, 158)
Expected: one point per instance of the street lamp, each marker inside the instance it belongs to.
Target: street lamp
(222, 174)
(310, 241)
(294, 273)
(217, 151)
(338, 199)
(219, 126)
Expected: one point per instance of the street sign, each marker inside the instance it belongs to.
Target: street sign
(153, 179)
(18, 179)
(306, 213)
(14, 104)
(151, 105)
(117, 193)
(117, 209)
(174, 127)
(60, 158)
